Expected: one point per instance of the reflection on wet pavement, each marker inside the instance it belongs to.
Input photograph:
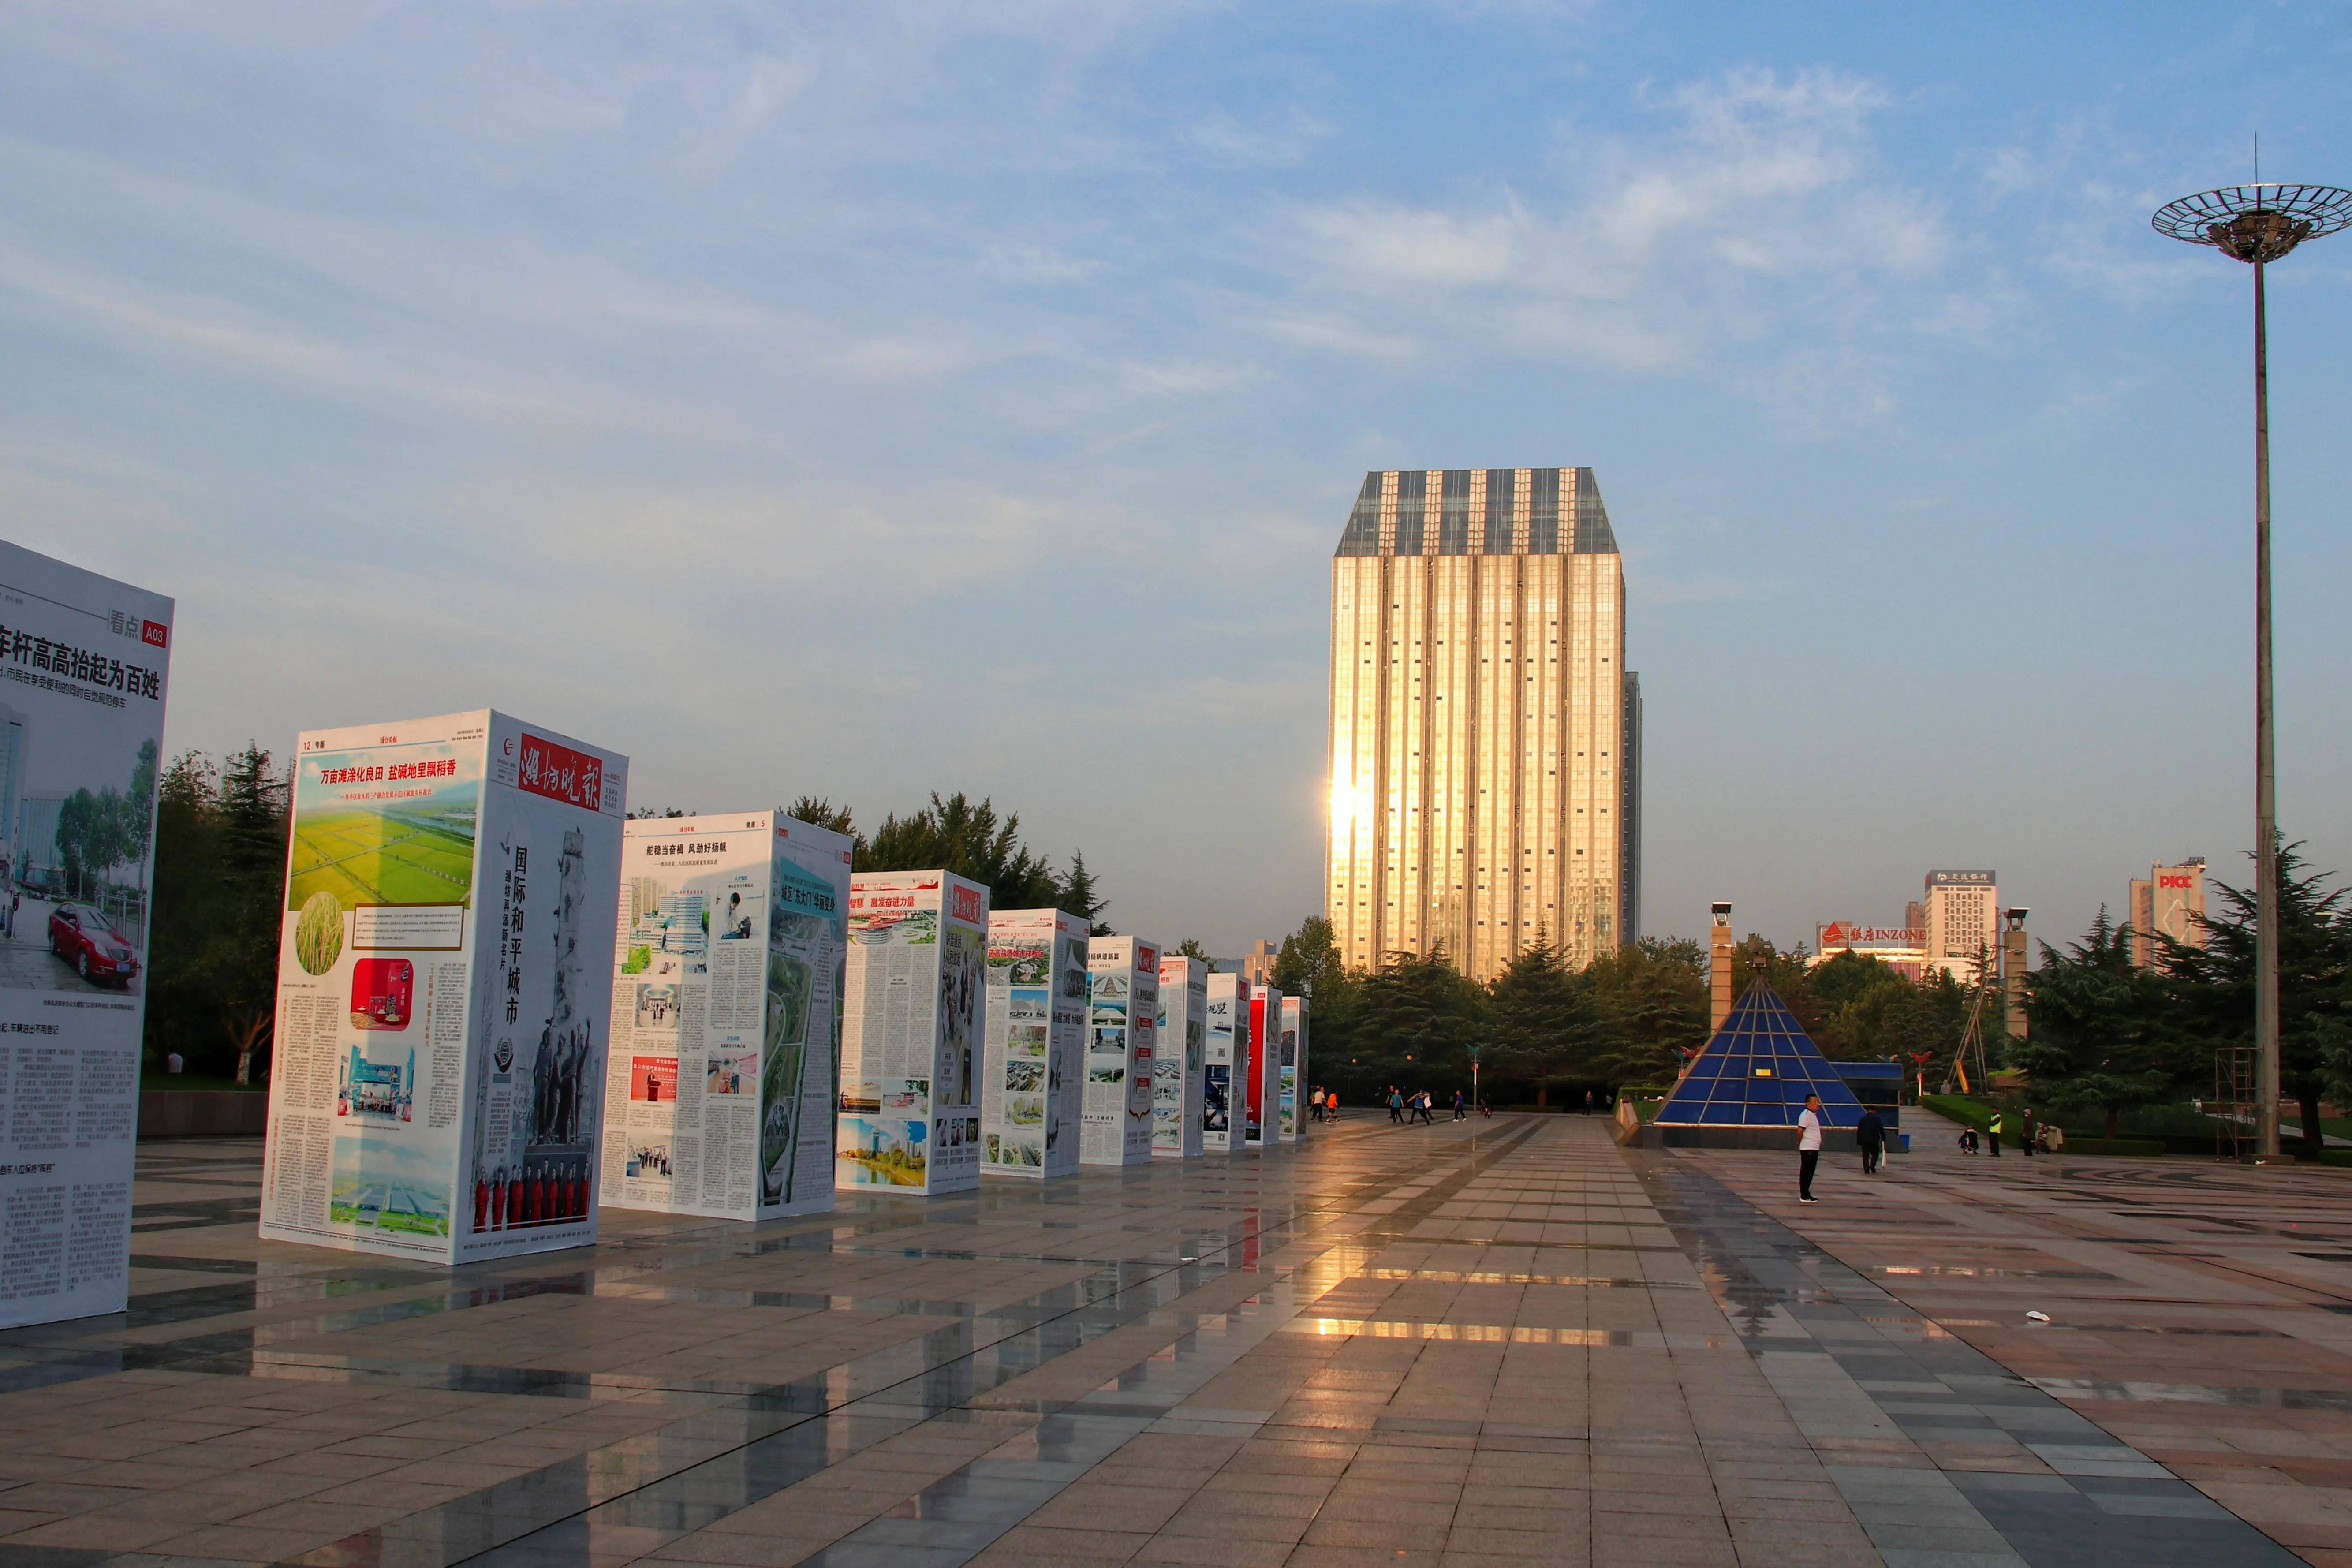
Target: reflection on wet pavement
(1469, 1345)
(2014, 1471)
(2188, 1323)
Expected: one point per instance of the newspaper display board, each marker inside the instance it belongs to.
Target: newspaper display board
(1260, 1085)
(727, 962)
(1290, 1068)
(1122, 1019)
(1225, 1063)
(82, 682)
(1177, 1057)
(443, 976)
(1032, 1087)
(912, 1048)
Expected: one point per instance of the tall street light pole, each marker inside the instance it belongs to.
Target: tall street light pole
(2259, 223)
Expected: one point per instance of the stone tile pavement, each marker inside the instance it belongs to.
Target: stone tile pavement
(1461, 1346)
(2200, 1313)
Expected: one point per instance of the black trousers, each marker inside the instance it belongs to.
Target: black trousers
(1808, 1162)
(1870, 1157)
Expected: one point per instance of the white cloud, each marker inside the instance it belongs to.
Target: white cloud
(1760, 210)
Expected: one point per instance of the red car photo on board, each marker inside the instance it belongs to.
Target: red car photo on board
(381, 991)
(88, 939)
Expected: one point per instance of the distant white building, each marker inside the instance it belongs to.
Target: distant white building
(1963, 922)
(2171, 902)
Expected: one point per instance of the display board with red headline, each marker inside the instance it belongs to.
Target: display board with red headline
(444, 984)
(911, 1047)
(82, 677)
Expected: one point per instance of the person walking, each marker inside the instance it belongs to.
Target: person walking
(1459, 1113)
(1588, 1102)
(1396, 1103)
(1315, 1104)
(1992, 1136)
(2025, 1133)
(1808, 1147)
(1870, 1137)
(1330, 1105)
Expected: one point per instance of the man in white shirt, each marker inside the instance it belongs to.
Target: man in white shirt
(1808, 1147)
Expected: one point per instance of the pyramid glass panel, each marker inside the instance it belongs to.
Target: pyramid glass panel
(1756, 1071)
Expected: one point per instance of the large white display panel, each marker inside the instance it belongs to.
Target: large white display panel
(1122, 1015)
(718, 1093)
(82, 678)
(1032, 1087)
(1225, 1063)
(911, 1048)
(1262, 1084)
(1290, 1070)
(443, 976)
(1177, 1057)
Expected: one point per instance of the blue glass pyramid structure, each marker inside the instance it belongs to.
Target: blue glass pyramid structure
(1756, 1071)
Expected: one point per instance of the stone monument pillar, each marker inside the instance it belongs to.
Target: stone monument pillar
(2012, 971)
(1720, 951)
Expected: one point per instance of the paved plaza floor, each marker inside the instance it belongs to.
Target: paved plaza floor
(1469, 1345)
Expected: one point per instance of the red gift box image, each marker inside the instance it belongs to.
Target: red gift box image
(381, 991)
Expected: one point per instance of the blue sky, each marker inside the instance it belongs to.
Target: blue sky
(861, 399)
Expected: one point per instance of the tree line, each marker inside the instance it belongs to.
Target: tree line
(2108, 1037)
(217, 909)
(1544, 1029)
(2105, 1036)
(972, 840)
(221, 836)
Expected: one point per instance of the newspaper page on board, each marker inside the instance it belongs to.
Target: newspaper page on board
(911, 1033)
(443, 982)
(83, 663)
(367, 1079)
(543, 989)
(728, 950)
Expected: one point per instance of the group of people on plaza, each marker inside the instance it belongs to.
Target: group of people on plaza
(2033, 1135)
(1417, 1106)
(1323, 1105)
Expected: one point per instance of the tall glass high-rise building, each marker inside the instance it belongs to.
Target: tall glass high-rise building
(1485, 735)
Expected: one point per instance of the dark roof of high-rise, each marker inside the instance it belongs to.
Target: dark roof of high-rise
(1434, 515)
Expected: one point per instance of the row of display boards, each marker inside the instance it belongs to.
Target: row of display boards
(479, 1044)
(502, 1004)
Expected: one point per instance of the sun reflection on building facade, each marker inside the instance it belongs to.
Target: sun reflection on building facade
(1485, 731)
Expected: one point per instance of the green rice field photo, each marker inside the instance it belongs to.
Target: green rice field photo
(416, 856)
